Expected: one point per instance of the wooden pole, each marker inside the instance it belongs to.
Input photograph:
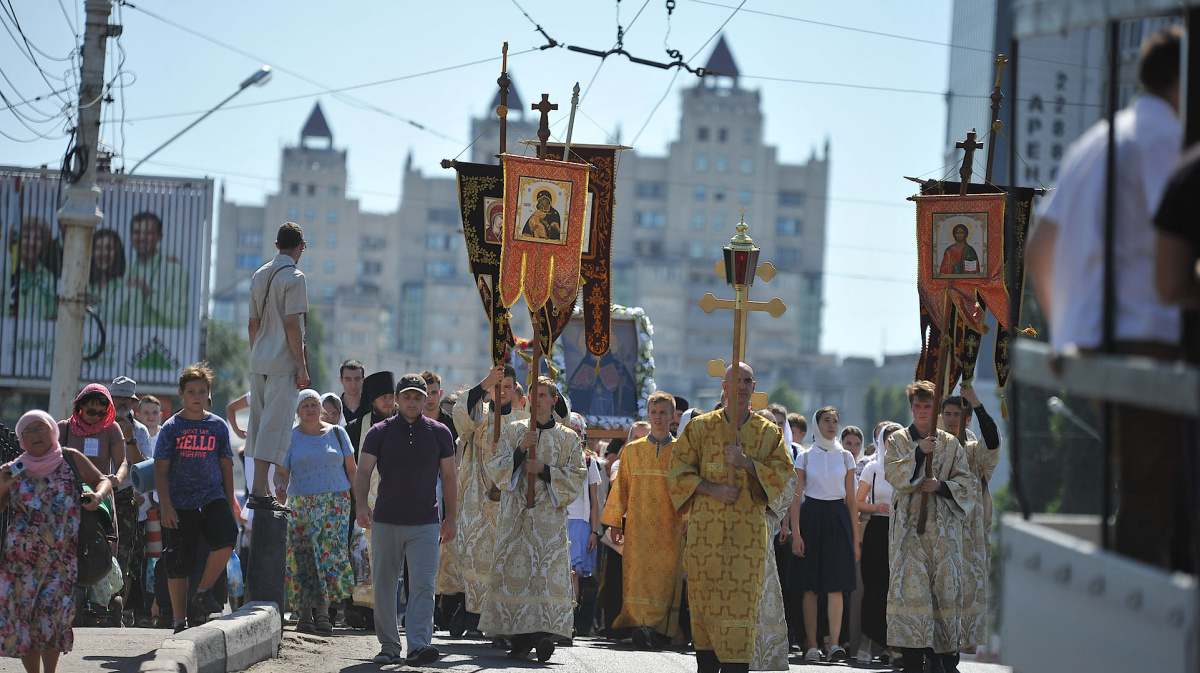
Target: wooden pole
(501, 112)
(536, 368)
(735, 401)
(942, 373)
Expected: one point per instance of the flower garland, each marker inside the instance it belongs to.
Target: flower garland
(643, 372)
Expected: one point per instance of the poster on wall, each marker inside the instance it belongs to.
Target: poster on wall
(147, 289)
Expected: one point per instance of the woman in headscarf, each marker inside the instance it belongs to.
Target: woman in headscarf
(317, 473)
(874, 499)
(38, 568)
(331, 408)
(822, 532)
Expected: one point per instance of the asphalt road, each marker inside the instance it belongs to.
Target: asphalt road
(349, 651)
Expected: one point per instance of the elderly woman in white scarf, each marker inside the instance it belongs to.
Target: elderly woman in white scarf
(822, 532)
(38, 568)
(314, 481)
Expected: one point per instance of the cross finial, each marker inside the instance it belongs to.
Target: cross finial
(968, 146)
(544, 107)
(1000, 62)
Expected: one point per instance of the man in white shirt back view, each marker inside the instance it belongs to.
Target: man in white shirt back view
(1065, 253)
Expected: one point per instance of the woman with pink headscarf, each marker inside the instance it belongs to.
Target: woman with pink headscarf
(38, 567)
(94, 430)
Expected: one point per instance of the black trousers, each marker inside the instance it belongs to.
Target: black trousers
(707, 662)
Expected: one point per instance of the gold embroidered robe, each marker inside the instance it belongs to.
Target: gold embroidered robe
(977, 548)
(924, 601)
(530, 586)
(771, 641)
(652, 559)
(724, 555)
(466, 563)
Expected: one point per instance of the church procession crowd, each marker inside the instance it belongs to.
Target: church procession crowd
(750, 549)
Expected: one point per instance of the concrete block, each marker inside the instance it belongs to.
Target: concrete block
(206, 648)
(251, 634)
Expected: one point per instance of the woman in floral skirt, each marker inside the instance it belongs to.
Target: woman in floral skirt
(316, 475)
(38, 567)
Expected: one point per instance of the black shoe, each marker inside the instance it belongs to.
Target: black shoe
(642, 637)
(422, 656)
(521, 647)
(207, 602)
(545, 648)
(266, 502)
(181, 625)
(499, 643)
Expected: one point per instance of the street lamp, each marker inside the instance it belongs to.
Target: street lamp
(259, 78)
(1057, 406)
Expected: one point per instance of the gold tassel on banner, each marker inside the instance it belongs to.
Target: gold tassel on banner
(1003, 407)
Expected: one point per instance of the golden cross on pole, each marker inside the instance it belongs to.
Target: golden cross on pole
(739, 267)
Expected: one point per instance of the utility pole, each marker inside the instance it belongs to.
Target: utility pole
(80, 215)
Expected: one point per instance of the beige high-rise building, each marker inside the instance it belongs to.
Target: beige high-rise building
(672, 215)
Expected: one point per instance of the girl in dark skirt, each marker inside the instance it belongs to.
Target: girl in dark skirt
(821, 530)
(874, 498)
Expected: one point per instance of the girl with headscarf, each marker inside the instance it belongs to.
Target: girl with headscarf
(822, 532)
(38, 567)
(94, 431)
(317, 474)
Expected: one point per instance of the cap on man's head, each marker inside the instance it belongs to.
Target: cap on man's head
(377, 384)
(412, 382)
(123, 386)
(681, 404)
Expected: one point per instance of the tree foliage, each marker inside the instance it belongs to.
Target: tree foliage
(884, 404)
(783, 393)
(229, 354)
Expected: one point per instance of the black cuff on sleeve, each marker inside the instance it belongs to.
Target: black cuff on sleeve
(545, 474)
(518, 458)
(920, 463)
(944, 490)
(473, 396)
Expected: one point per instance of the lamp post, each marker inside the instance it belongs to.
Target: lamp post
(259, 78)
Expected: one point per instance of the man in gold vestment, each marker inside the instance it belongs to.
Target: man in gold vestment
(640, 512)
(529, 594)
(466, 563)
(728, 535)
(924, 601)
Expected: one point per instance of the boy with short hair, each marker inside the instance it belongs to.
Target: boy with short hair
(193, 471)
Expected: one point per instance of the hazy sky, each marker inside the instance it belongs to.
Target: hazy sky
(868, 76)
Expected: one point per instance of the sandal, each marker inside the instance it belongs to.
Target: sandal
(305, 623)
(324, 626)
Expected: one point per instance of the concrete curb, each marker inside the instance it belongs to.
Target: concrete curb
(234, 642)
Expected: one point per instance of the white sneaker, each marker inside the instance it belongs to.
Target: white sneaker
(863, 657)
(837, 654)
(813, 655)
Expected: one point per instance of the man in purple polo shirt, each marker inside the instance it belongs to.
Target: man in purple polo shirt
(410, 452)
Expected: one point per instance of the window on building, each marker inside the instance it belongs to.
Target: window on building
(718, 221)
(721, 164)
(791, 198)
(439, 268)
(443, 216)
(372, 243)
(306, 264)
(748, 136)
(312, 190)
(437, 242)
(699, 220)
(293, 213)
(700, 163)
(696, 250)
(330, 240)
(746, 167)
(718, 251)
(700, 192)
(650, 219)
(702, 133)
(250, 238)
(789, 226)
(331, 216)
(745, 196)
(719, 194)
(788, 257)
(329, 290)
(294, 189)
(652, 190)
(335, 192)
(249, 260)
(368, 267)
(722, 134)
(330, 266)
(310, 214)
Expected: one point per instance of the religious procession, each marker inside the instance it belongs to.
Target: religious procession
(562, 480)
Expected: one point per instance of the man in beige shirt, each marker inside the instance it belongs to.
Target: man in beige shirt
(278, 303)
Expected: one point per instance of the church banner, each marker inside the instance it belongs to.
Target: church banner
(595, 266)
(544, 205)
(960, 244)
(481, 200)
(147, 291)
